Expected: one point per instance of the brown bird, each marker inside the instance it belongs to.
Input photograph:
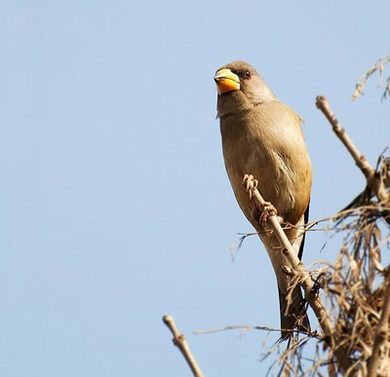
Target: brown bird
(263, 137)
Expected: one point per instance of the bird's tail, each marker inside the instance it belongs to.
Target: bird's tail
(293, 315)
(292, 306)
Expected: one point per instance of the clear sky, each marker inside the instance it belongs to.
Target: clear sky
(115, 205)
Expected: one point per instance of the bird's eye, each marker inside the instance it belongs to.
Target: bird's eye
(247, 74)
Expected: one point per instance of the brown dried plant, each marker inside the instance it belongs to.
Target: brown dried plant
(353, 291)
(379, 67)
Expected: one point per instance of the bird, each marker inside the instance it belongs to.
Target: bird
(263, 137)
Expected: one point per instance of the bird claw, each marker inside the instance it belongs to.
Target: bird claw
(267, 210)
(250, 183)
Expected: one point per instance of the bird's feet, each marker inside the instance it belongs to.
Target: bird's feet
(267, 210)
(250, 183)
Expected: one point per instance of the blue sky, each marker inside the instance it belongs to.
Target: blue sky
(115, 205)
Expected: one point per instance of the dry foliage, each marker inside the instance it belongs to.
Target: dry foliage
(353, 289)
(379, 67)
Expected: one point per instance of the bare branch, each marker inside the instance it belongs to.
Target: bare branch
(375, 181)
(180, 342)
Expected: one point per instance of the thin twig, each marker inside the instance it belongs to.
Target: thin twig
(180, 342)
(250, 328)
(377, 67)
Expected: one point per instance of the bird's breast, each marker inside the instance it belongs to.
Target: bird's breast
(253, 144)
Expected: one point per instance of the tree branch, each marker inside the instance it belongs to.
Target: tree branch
(375, 181)
(298, 268)
(180, 342)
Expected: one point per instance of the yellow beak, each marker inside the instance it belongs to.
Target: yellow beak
(226, 81)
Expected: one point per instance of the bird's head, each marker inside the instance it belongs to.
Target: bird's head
(240, 88)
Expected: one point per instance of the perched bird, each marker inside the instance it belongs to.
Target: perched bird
(262, 136)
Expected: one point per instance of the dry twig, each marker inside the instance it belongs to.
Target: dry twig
(377, 67)
(375, 180)
(180, 342)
